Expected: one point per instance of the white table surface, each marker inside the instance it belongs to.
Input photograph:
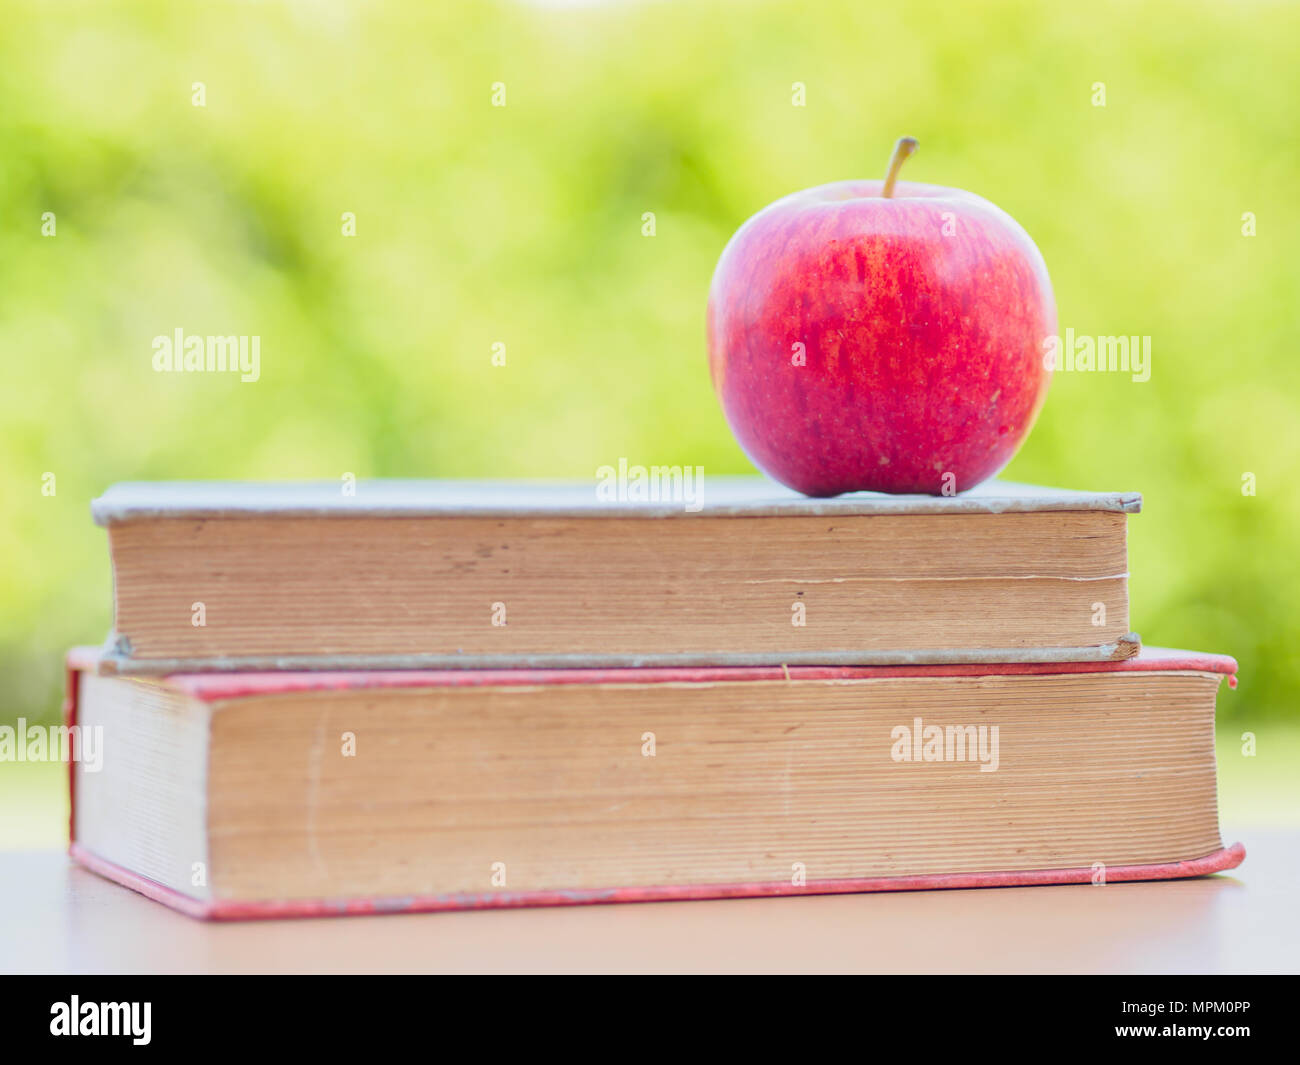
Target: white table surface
(58, 918)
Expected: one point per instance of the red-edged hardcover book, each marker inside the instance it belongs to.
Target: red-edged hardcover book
(295, 794)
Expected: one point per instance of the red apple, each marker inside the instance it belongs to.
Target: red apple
(869, 335)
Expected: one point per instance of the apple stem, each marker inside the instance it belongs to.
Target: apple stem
(905, 147)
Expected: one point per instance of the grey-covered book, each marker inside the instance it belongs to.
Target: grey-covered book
(627, 570)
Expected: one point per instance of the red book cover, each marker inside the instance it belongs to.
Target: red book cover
(215, 687)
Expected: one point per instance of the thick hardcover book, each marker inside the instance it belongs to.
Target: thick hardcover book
(677, 572)
(306, 794)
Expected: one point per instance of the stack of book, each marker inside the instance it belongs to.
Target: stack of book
(438, 695)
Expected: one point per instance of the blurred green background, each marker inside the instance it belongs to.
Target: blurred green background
(522, 225)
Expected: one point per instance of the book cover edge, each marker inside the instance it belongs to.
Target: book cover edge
(215, 686)
(742, 497)
(271, 909)
(114, 661)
